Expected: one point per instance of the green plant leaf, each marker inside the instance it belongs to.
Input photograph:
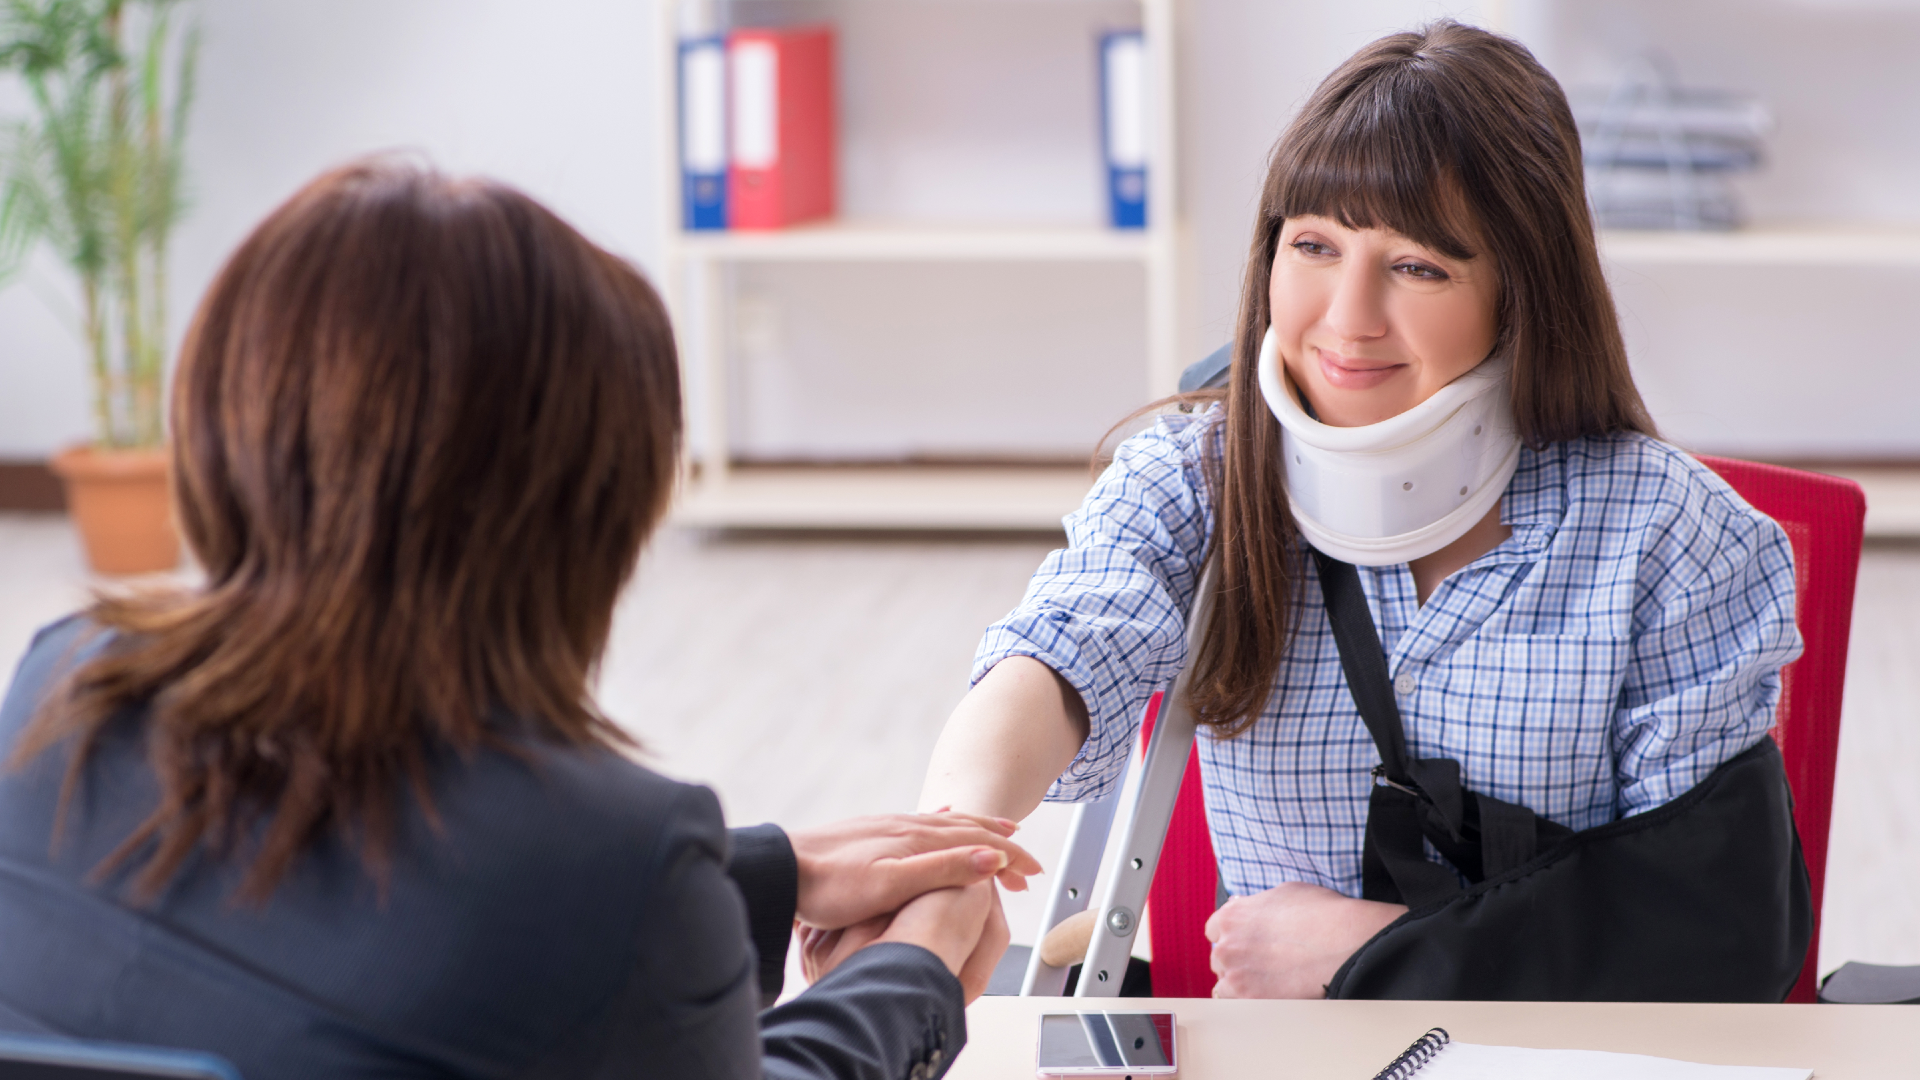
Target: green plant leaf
(96, 173)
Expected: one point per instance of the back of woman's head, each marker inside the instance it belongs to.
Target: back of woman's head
(421, 430)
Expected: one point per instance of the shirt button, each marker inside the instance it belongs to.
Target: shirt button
(1404, 683)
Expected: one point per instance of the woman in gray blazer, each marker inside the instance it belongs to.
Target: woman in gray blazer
(347, 808)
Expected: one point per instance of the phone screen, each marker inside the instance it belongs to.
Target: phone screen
(1104, 1039)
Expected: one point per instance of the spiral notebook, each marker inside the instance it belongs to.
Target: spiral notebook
(1437, 1057)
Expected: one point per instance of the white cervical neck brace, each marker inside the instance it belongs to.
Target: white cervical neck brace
(1405, 487)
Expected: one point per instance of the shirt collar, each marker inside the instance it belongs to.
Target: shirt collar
(1534, 505)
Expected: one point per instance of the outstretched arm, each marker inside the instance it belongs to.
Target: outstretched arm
(1062, 679)
(1015, 731)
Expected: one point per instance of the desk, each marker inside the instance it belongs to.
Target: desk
(1352, 1040)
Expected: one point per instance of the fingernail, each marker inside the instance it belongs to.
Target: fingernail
(1011, 825)
(989, 860)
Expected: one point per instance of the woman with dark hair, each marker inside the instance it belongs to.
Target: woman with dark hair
(1430, 399)
(348, 808)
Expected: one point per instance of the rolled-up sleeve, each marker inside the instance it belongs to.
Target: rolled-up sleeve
(1108, 612)
(1714, 627)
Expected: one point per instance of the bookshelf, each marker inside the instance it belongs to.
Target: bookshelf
(1572, 47)
(1777, 340)
(1807, 245)
(887, 498)
(842, 241)
(698, 269)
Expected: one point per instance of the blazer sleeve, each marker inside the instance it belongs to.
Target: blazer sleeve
(761, 862)
(891, 1011)
(888, 1010)
(690, 1010)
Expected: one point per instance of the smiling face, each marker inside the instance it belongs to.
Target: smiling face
(1370, 324)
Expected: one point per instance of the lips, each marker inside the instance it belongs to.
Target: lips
(1353, 372)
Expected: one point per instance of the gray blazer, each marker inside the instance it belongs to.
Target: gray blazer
(572, 915)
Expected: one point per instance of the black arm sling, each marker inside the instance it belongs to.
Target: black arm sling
(1705, 898)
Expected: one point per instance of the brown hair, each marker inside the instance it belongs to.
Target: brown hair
(422, 428)
(1408, 133)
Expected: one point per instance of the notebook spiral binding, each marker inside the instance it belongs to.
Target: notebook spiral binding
(1415, 1056)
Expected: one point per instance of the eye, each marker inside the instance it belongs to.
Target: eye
(1311, 247)
(1421, 271)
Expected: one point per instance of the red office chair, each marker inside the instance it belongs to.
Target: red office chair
(1822, 517)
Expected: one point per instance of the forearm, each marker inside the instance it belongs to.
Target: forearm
(1014, 732)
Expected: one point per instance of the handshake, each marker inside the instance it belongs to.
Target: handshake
(922, 879)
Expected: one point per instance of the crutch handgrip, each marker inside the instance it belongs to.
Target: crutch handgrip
(1065, 944)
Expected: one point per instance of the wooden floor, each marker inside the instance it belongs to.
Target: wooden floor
(806, 678)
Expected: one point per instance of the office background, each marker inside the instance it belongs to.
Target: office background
(1778, 360)
(806, 677)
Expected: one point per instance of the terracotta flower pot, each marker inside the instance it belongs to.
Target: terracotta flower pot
(120, 502)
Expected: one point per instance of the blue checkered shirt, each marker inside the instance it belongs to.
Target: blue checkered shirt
(1622, 643)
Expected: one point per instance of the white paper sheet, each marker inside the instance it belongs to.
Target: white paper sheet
(1470, 1061)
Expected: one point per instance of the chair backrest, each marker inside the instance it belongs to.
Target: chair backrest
(1822, 517)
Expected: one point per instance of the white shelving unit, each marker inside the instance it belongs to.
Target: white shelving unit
(720, 492)
(846, 242)
(1775, 340)
(1775, 245)
(1018, 499)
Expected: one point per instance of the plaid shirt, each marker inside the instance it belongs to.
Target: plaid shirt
(1622, 643)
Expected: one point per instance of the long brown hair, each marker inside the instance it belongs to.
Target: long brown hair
(1460, 140)
(421, 429)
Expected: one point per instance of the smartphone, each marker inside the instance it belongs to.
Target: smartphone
(1131, 1046)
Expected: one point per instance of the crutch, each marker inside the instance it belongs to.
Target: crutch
(1144, 806)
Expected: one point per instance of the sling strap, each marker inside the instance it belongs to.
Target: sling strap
(1416, 799)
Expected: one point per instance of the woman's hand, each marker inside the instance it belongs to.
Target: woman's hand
(822, 950)
(854, 870)
(964, 927)
(1289, 941)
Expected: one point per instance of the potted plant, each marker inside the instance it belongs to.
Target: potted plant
(94, 172)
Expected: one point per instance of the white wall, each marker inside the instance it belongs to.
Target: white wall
(556, 97)
(553, 97)
(44, 401)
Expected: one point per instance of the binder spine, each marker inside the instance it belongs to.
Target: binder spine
(703, 133)
(808, 124)
(754, 102)
(1123, 100)
(783, 137)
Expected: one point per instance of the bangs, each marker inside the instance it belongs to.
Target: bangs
(1384, 158)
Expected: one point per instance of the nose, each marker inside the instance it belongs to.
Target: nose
(1357, 310)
